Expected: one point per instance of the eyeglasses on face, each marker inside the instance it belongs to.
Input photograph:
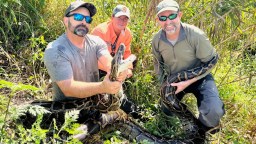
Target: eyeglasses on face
(126, 19)
(80, 17)
(170, 17)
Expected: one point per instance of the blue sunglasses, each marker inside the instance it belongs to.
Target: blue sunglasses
(80, 17)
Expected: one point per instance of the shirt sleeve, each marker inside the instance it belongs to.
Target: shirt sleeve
(57, 64)
(204, 49)
(158, 61)
(102, 48)
(96, 31)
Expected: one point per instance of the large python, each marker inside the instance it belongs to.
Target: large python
(102, 112)
(168, 91)
(173, 106)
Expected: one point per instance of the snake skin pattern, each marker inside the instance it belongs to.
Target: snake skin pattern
(174, 106)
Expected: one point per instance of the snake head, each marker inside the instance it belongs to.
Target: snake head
(116, 61)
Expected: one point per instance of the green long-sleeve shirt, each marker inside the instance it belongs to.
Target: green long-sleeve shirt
(191, 50)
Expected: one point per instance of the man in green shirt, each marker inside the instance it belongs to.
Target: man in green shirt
(178, 47)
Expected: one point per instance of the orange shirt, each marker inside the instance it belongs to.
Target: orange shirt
(106, 32)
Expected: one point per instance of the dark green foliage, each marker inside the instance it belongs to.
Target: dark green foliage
(20, 20)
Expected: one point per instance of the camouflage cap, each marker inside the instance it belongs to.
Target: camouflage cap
(79, 3)
(120, 10)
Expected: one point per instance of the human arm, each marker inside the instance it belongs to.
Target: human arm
(79, 89)
(157, 60)
(205, 53)
(195, 74)
(105, 62)
(183, 84)
(98, 32)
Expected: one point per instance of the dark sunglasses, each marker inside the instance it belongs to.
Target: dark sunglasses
(170, 17)
(80, 17)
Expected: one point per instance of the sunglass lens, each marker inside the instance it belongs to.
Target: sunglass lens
(162, 18)
(172, 16)
(78, 17)
(88, 19)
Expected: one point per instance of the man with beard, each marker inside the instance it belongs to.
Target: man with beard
(71, 60)
(179, 46)
(115, 32)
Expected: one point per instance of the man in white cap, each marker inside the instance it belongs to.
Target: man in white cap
(115, 32)
(72, 59)
(178, 47)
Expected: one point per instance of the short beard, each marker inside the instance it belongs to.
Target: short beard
(80, 30)
(172, 31)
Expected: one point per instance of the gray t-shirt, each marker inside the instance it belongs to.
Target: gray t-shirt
(191, 50)
(64, 60)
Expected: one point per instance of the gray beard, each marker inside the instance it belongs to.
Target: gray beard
(80, 30)
(172, 31)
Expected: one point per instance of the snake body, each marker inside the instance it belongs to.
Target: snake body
(177, 108)
(168, 91)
